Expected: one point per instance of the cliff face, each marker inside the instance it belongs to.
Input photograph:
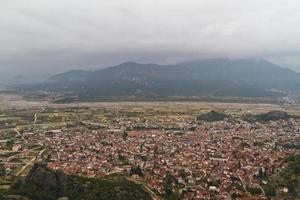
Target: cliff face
(42, 183)
(53, 183)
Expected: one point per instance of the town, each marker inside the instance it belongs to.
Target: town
(172, 152)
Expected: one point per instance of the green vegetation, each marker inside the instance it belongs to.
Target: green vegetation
(125, 135)
(270, 189)
(254, 190)
(291, 146)
(212, 116)
(44, 184)
(136, 170)
(2, 170)
(289, 178)
(265, 117)
(169, 186)
(3, 192)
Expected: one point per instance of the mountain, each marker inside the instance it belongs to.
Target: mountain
(10, 81)
(255, 71)
(42, 183)
(218, 77)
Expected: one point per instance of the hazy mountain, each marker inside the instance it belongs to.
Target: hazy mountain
(23, 80)
(254, 71)
(225, 77)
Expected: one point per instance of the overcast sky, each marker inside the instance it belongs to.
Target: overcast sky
(50, 36)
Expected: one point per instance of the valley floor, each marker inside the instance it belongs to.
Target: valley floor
(165, 146)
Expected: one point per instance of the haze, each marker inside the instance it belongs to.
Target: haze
(39, 38)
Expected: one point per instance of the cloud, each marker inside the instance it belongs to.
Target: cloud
(54, 35)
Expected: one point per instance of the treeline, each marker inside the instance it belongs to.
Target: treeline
(213, 116)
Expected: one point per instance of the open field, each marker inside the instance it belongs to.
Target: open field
(9, 101)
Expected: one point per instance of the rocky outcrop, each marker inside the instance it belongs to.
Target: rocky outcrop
(42, 183)
(53, 183)
(45, 182)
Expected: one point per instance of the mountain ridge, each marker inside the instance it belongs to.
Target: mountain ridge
(219, 77)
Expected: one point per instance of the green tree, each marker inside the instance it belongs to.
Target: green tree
(125, 135)
(168, 182)
(2, 170)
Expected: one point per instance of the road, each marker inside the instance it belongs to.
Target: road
(29, 163)
(21, 136)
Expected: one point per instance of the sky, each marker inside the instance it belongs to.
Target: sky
(42, 37)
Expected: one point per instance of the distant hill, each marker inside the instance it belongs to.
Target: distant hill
(212, 116)
(269, 116)
(217, 77)
(44, 184)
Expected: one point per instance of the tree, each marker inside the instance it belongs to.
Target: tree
(125, 135)
(2, 170)
(183, 174)
(168, 181)
(136, 170)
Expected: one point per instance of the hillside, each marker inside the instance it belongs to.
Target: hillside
(269, 116)
(44, 184)
(288, 179)
(216, 77)
(212, 116)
